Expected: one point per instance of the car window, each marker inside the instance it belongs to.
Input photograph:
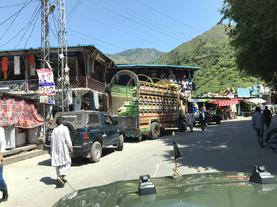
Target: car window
(74, 118)
(93, 120)
(108, 120)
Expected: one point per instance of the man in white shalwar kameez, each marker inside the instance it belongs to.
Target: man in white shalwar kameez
(61, 146)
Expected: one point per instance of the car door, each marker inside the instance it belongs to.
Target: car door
(111, 130)
(94, 126)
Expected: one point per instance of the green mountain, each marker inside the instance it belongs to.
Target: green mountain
(138, 55)
(213, 53)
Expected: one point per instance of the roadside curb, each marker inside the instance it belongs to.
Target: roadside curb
(23, 156)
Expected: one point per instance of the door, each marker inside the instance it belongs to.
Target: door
(94, 126)
(111, 130)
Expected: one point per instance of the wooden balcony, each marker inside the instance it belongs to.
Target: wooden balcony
(31, 85)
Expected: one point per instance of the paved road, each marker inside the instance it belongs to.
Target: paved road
(231, 146)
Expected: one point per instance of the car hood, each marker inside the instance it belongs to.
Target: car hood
(197, 190)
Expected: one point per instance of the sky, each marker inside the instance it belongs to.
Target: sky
(111, 25)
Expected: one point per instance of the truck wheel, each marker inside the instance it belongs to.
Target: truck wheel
(155, 130)
(120, 143)
(95, 152)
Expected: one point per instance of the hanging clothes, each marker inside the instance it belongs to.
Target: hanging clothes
(31, 64)
(5, 67)
(96, 100)
(17, 65)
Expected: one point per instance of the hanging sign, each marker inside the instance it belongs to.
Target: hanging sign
(46, 82)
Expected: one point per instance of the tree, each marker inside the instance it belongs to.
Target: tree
(253, 33)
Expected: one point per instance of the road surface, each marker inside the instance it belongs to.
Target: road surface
(231, 146)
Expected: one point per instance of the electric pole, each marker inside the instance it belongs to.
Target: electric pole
(63, 65)
(44, 33)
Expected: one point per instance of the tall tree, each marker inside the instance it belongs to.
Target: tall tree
(253, 33)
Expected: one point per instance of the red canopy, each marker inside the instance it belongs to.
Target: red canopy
(19, 114)
(225, 102)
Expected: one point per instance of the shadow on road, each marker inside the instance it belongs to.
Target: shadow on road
(231, 146)
(48, 181)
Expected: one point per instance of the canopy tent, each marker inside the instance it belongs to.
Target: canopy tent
(225, 102)
(254, 101)
(19, 114)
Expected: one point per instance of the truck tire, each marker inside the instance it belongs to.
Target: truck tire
(72, 131)
(120, 143)
(155, 130)
(95, 152)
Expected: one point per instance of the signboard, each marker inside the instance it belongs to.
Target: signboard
(243, 92)
(46, 86)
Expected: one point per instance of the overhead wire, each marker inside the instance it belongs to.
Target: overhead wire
(27, 28)
(14, 5)
(30, 35)
(24, 27)
(167, 16)
(16, 13)
(73, 10)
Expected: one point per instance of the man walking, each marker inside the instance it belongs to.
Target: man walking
(202, 118)
(267, 116)
(3, 185)
(258, 124)
(61, 146)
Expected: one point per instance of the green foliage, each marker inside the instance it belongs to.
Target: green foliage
(213, 53)
(139, 56)
(254, 35)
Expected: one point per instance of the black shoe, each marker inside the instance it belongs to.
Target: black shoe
(60, 182)
(5, 197)
(64, 180)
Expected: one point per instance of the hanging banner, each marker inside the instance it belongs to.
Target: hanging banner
(17, 65)
(46, 86)
(46, 82)
(47, 100)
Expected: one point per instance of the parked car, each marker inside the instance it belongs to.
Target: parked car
(90, 132)
(211, 117)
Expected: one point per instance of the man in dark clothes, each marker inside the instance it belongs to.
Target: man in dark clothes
(267, 117)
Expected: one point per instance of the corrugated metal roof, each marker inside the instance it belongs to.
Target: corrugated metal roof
(38, 48)
(121, 66)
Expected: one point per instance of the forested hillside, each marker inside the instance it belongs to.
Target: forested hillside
(138, 55)
(213, 53)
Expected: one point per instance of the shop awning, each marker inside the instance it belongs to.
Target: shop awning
(225, 102)
(19, 114)
(254, 101)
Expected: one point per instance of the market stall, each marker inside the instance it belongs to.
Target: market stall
(227, 108)
(20, 121)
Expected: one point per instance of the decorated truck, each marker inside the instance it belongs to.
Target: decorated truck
(143, 107)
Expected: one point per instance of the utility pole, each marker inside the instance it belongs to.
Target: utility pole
(44, 33)
(63, 64)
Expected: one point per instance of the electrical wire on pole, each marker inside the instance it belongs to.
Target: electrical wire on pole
(63, 65)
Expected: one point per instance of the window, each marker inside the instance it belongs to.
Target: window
(93, 120)
(108, 120)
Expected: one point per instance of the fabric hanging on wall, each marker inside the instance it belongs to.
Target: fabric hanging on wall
(17, 65)
(96, 100)
(32, 64)
(5, 67)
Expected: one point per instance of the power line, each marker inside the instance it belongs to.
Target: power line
(73, 10)
(16, 13)
(21, 30)
(10, 25)
(14, 5)
(26, 30)
(167, 16)
(31, 32)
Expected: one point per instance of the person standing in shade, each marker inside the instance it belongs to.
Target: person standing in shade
(3, 185)
(202, 119)
(258, 124)
(190, 119)
(61, 146)
(267, 116)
